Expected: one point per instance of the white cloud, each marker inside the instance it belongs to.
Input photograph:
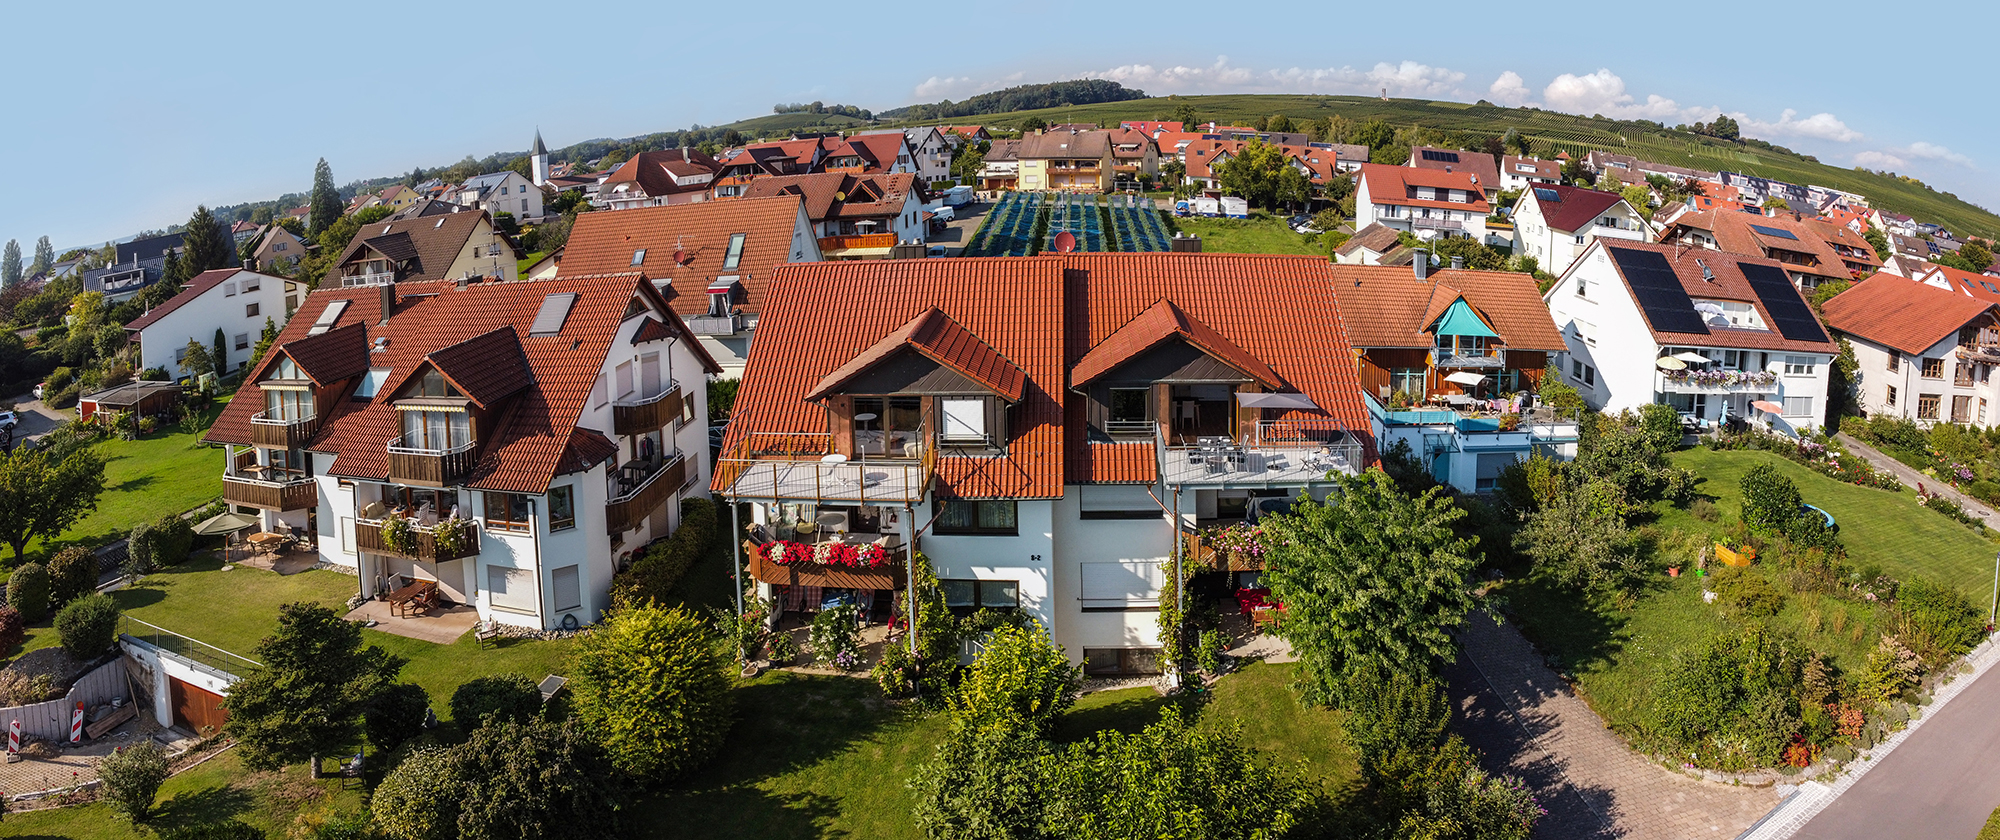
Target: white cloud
(1872, 159)
(1408, 78)
(1821, 126)
(942, 87)
(1603, 92)
(1933, 151)
(1510, 89)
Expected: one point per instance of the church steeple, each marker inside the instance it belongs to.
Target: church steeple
(538, 161)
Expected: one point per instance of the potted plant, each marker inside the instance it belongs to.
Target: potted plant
(1510, 422)
(1735, 548)
(783, 650)
(449, 537)
(398, 535)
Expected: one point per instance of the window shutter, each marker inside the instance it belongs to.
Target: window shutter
(1121, 584)
(568, 589)
(510, 588)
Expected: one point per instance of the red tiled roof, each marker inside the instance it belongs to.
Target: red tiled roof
(1902, 314)
(1573, 208)
(837, 195)
(1387, 306)
(1733, 233)
(1475, 163)
(1728, 284)
(1542, 168)
(937, 337)
(329, 357)
(653, 172)
(1397, 185)
(487, 368)
(194, 288)
(604, 242)
(1160, 322)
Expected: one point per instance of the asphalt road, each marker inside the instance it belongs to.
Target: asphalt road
(1943, 782)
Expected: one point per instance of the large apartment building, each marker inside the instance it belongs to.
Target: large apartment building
(530, 434)
(1046, 432)
(1924, 348)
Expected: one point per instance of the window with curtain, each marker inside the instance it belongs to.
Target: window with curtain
(436, 430)
(510, 589)
(288, 404)
(509, 511)
(562, 508)
(977, 517)
(964, 597)
(1407, 381)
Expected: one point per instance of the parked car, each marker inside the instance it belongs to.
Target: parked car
(8, 420)
(39, 388)
(1302, 224)
(935, 251)
(944, 214)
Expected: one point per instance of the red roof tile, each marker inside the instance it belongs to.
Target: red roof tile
(487, 368)
(1573, 208)
(1478, 164)
(1160, 322)
(937, 337)
(605, 242)
(1398, 185)
(326, 358)
(1387, 306)
(1907, 315)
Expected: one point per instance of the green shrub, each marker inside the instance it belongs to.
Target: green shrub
(503, 697)
(12, 630)
(653, 575)
(173, 538)
(72, 574)
(28, 591)
(1938, 622)
(421, 798)
(835, 637)
(1731, 703)
(1746, 594)
(784, 650)
(1890, 670)
(132, 776)
(88, 625)
(1661, 425)
(654, 688)
(1021, 679)
(141, 548)
(395, 715)
(1770, 500)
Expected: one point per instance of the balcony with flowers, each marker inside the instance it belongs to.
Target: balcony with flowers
(1718, 381)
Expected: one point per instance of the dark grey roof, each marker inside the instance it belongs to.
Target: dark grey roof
(395, 246)
(125, 277)
(149, 247)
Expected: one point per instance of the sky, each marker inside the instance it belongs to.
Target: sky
(126, 115)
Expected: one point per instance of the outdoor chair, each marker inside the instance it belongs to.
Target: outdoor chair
(487, 633)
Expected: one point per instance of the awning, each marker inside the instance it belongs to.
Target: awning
(1693, 358)
(1459, 319)
(1669, 363)
(1465, 378)
(1300, 401)
(1767, 407)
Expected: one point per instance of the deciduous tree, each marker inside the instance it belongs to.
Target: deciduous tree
(305, 703)
(1172, 781)
(1021, 680)
(652, 685)
(45, 489)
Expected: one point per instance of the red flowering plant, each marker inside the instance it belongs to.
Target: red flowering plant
(1243, 540)
(786, 553)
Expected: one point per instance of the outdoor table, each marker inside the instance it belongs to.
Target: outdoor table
(405, 596)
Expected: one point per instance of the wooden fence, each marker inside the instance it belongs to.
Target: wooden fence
(49, 720)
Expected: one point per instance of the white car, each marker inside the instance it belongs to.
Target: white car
(935, 251)
(8, 420)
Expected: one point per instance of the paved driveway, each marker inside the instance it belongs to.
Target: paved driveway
(958, 232)
(36, 419)
(1942, 782)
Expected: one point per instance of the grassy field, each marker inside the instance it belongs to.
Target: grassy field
(145, 479)
(1262, 233)
(219, 791)
(1550, 132)
(1616, 653)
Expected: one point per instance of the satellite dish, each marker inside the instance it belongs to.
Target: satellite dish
(680, 257)
(840, 195)
(1065, 242)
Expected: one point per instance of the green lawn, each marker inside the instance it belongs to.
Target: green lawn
(219, 791)
(165, 472)
(1878, 526)
(1262, 233)
(1992, 829)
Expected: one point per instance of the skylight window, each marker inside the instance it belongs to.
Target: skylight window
(1547, 195)
(735, 254)
(639, 257)
(555, 310)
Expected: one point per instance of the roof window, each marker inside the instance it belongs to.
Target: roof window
(554, 311)
(639, 257)
(735, 253)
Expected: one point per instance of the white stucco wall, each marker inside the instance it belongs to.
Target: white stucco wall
(198, 319)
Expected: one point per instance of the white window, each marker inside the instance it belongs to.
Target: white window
(597, 393)
(510, 589)
(1583, 373)
(639, 256)
(734, 255)
(568, 588)
(1800, 366)
(242, 341)
(649, 375)
(252, 310)
(251, 284)
(229, 290)
(963, 419)
(1798, 406)
(1122, 584)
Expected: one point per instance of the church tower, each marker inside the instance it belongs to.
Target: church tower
(538, 161)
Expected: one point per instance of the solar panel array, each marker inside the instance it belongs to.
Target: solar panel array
(1788, 311)
(1547, 194)
(1775, 233)
(1442, 157)
(1658, 291)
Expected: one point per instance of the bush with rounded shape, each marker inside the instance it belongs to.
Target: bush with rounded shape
(1936, 621)
(72, 574)
(1021, 679)
(653, 686)
(88, 625)
(13, 630)
(140, 550)
(395, 715)
(504, 696)
(132, 776)
(543, 780)
(173, 538)
(421, 798)
(28, 591)
(1747, 594)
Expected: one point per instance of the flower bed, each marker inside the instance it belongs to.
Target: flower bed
(787, 553)
(1827, 460)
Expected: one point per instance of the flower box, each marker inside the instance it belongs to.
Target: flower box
(1735, 557)
(787, 553)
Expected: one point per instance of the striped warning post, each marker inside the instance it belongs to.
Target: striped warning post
(14, 736)
(76, 724)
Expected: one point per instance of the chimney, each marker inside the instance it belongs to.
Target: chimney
(388, 291)
(1457, 263)
(1420, 262)
(249, 265)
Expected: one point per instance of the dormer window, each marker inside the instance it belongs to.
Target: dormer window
(962, 420)
(284, 368)
(431, 384)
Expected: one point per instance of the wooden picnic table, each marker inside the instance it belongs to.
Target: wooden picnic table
(410, 595)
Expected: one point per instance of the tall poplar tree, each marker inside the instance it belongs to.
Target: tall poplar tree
(325, 204)
(45, 256)
(10, 264)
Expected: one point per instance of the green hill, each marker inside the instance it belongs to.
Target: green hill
(1550, 132)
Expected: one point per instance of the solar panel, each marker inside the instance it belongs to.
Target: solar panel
(1788, 311)
(1547, 195)
(1441, 157)
(1774, 232)
(1658, 291)
(555, 310)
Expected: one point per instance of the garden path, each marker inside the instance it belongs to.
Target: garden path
(1523, 718)
(1911, 477)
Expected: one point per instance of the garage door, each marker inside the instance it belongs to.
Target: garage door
(196, 709)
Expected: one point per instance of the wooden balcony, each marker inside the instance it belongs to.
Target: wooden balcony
(889, 575)
(636, 417)
(858, 240)
(368, 537)
(277, 433)
(429, 467)
(269, 495)
(631, 500)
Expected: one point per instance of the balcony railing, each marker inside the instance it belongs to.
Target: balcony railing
(796, 467)
(730, 324)
(1435, 224)
(425, 467)
(1131, 428)
(1718, 381)
(857, 240)
(635, 491)
(368, 278)
(638, 416)
(270, 432)
(368, 537)
(284, 493)
(1279, 452)
(1471, 357)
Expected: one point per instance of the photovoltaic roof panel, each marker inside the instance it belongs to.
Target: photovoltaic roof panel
(1788, 311)
(1445, 157)
(1547, 195)
(1658, 291)
(1775, 233)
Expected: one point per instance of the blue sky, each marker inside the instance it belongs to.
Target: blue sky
(126, 115)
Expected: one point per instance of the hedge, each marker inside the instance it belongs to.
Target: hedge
(653, 575)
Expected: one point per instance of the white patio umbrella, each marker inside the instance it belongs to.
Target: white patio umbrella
(1669, 363)
(1693, 358)
(1465, 378)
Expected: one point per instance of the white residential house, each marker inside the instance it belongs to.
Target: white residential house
(500, 192)
(459, 409)
(1923, 350)
(1427, 202)
(1554, 224)
(234, 300)
(1516, 173)
(930, 153)
(1718, 336)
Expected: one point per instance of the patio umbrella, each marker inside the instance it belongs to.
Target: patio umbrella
(227, 523)
(1669, 363)
(1693, 358)
(1767, 407)
(1465, 378)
